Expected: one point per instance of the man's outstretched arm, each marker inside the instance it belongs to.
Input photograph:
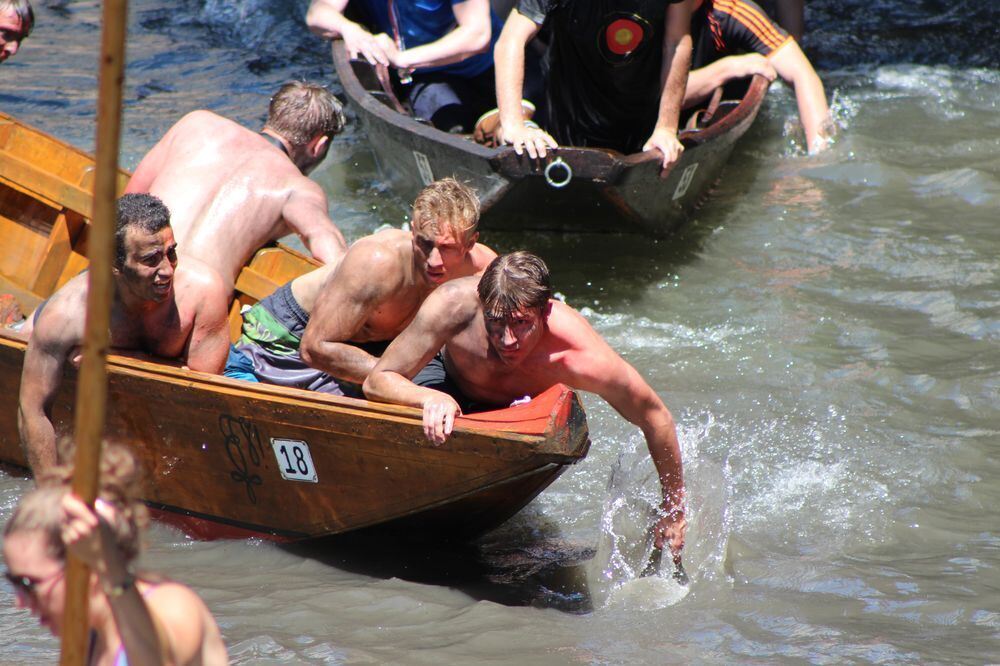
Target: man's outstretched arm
(438, 318)
(599, 369)
(41, 377)
(508, 57)
(676, 63)
(795, 69)
(366, 278)
(326, 19)
(305, 213)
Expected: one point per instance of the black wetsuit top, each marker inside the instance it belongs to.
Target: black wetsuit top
(603, 64)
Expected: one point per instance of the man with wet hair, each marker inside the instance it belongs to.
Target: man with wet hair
(231, 190)
(324, 331)
(17, 19)
(734, 39)
(505, 338)
(159, 308)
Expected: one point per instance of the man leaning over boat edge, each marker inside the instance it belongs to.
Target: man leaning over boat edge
(161, 306)
(325, 330)
(736, 38)
(231, 190)
(504, 337)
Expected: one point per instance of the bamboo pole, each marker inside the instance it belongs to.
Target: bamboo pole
(91, 392)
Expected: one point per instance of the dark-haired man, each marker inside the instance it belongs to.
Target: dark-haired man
(231, 190)
(158, 308)
(504, 337)
(16, 21)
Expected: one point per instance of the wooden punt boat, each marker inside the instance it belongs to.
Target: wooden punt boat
(226, 458)
(572, 189)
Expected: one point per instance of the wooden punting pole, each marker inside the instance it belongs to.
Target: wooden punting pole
(91, 393)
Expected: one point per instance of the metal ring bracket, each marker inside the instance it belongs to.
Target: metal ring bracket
(554, 166)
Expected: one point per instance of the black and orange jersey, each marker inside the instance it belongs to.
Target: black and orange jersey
(721, 28)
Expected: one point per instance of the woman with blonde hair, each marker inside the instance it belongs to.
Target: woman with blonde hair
(134, 618)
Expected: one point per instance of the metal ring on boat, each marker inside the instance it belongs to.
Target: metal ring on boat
(555, 165)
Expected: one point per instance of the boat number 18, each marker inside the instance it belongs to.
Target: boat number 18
(294, 460)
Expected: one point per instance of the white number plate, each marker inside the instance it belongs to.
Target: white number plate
(294, 460)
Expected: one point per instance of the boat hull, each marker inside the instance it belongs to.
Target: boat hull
(601, 190)
(229, 458)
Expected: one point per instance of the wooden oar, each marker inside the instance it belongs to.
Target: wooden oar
(91, 392)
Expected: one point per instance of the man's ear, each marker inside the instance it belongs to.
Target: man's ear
(547, 309)
(319, 144)
(473, 239)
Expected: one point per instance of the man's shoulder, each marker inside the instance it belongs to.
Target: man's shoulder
(481, 256)
(456, 299)
(63, 315)
(384, 250)
(196, 283)
(569, 324)
(203, 119)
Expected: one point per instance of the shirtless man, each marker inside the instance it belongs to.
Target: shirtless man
(325, 330)
(16, 21)
(231, 190)
(158, 308)
(504, 337)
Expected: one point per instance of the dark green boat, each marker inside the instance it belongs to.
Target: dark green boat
(572, 189)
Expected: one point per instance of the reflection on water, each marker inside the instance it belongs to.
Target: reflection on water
(824, 332)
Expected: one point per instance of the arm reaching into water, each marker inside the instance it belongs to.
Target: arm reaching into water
(53, 340)
(794, 68)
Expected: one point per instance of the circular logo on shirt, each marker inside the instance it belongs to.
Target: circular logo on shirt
(622, 36)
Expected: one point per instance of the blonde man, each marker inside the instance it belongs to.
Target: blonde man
(232, 190)
(325, 330)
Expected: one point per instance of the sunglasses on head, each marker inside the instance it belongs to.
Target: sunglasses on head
(27, 584)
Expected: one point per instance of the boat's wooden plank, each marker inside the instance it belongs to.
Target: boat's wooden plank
(15, 169)
(55, 255)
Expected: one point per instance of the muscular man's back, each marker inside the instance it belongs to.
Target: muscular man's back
(225, 187)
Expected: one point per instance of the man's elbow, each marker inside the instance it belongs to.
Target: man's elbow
(479, 39)
(307, 350)
(315, 21)
(372, 385)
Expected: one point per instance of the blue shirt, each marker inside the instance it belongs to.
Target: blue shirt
(424, 21)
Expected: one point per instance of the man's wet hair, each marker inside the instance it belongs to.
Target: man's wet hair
(450, 202)
(515, 282)
(24, 12)
(301, 111)
(137, 211)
